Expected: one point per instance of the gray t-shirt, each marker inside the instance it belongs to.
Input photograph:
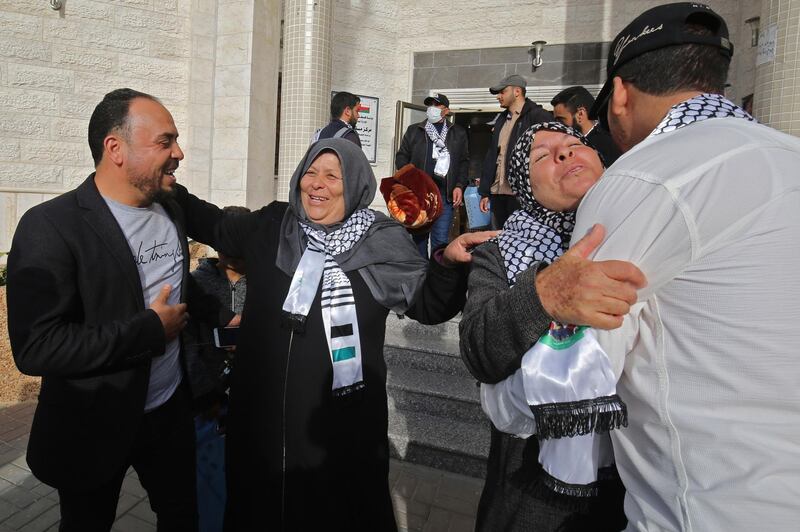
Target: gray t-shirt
(158, 255)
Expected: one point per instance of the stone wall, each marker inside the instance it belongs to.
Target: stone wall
(213, 63)
(54, 68)
(777, 99)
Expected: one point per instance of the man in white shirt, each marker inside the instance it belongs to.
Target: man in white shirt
(705, 202)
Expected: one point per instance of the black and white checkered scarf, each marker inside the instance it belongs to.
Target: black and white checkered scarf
(440, 153)
(701, 107)
(533, 233)
(318, 263)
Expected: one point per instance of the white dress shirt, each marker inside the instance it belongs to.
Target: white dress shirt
(709, 358)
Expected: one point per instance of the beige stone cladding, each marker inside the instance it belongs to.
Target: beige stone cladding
(214, 64)
(56, 65)
(374, 42)
(777, 94)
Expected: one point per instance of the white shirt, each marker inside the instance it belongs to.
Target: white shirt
(710, 356)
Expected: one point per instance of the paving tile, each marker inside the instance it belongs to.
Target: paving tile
(9, 425)
(12, 434)
(20, 443)
(418, 508)
(9, 454)
(134, 487)
(438, 521)
(23, 517)
(126, 502)
(461, 488)
(44, 521)
(143, 512)
(416, 523)
(20, 497)
(461, 523)
(21, 462)
(427, 473)
(453, 504)
(43, 490)
(5, 486)
(15, 475)
(405, 485)
(425, 492)
(129, 523)
(7, 510)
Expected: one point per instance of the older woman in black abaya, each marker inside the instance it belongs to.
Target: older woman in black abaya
(307, 444)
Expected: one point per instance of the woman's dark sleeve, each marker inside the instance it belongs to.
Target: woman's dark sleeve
(208, 224)
(442, 294)
(500, 323)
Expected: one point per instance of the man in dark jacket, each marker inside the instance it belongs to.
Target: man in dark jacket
(344, 117)
(571, 108)
(98, 281)
(441, 150)
(520, 113)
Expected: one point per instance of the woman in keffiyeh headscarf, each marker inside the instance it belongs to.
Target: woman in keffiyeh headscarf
(555, 480)
(307, 445)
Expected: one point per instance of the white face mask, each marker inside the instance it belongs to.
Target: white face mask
(434, 114)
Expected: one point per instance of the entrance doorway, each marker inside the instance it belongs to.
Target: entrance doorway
(479, 126)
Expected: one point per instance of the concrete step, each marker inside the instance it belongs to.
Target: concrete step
(435, 362)
(448, 444)
(405, 332)
(436, 394)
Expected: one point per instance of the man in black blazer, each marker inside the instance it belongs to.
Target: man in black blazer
(98, 283)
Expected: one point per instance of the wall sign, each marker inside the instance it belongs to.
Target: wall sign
(767, 45)
(367, 126)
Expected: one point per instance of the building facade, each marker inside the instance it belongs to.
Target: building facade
(249, 81)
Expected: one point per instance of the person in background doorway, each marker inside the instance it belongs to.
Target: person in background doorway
(441, 150)
(571, 108)
(520, 113)
(344, 117)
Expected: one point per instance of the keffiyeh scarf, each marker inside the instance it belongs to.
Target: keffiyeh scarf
(318, 263)
(568, 380)
(440, 153)
(701, 107)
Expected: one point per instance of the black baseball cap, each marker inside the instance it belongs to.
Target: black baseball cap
(437, 98)
(657, 28)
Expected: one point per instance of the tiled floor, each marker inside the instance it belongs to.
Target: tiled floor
(425, 499)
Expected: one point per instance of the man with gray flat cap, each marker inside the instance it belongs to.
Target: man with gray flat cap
(520, 113)
(704, 201)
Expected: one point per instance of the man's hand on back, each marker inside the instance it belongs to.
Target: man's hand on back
(577, 290)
